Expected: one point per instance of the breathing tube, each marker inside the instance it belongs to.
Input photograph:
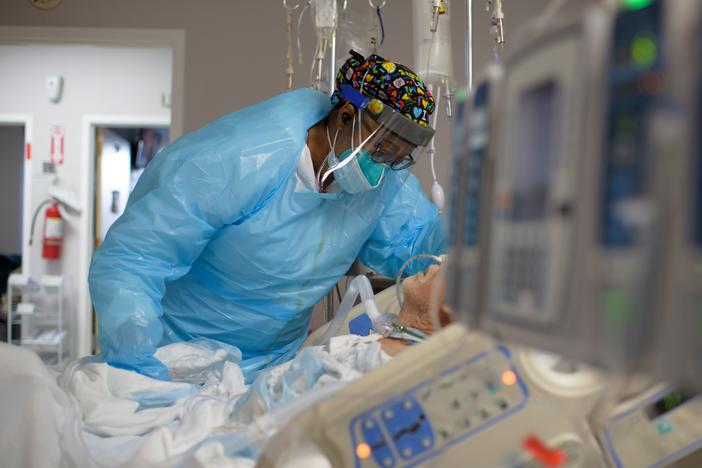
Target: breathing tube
(360, 285)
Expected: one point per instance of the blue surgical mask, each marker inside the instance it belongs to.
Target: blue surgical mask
(360, 174)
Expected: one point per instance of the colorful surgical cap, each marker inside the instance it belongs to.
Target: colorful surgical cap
(392, 84)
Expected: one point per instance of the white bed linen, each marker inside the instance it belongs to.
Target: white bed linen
(105, 416)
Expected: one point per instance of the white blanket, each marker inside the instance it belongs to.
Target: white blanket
(104, 416)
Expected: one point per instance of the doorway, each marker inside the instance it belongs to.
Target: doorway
(121, 155)
(120, 148)
(12, 147)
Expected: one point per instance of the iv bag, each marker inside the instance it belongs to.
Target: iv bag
(432, 50)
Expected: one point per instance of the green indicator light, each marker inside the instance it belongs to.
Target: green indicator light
(461, 94)
(617, 306)
(636, 4)
(644, 50)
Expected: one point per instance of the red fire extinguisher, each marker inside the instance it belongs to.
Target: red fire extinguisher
(53, 233)
(52, 237)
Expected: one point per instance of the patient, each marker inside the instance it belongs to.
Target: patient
(415, 308)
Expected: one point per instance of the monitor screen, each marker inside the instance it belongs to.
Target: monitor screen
(533, 152)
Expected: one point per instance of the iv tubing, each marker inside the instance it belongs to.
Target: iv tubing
(332, 63)
(432, 147)
(299, 24)
(360, 285)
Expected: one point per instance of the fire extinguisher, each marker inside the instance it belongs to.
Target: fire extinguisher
(52, 237)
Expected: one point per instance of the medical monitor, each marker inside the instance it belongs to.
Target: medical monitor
(474, 145)
(568, 254)
(678, 305)
(534, 181)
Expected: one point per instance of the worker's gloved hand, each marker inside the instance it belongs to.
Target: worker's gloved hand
(131, 346)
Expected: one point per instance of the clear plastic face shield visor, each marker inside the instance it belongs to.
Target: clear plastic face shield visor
(382, 140)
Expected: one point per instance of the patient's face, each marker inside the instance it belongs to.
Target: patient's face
(418, 288)
(418, 299)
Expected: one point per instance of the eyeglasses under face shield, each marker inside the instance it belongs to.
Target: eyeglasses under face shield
(391, 138)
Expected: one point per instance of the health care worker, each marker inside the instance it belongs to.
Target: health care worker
(236, 230)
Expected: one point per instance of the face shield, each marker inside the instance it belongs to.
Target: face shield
(382, 140)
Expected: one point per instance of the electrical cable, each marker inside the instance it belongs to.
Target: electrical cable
(382, 26)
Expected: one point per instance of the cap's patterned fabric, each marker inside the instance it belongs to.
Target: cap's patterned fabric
(386, 83)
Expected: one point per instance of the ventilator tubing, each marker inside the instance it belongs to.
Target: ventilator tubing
(359, 285)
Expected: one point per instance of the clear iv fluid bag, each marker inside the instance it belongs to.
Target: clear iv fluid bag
(325, 14)
(432, 50)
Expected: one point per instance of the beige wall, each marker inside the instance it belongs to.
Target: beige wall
(235, 49)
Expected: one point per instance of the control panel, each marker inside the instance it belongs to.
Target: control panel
(416, 425)
(656, 431)
(456, 399)
(535, 184)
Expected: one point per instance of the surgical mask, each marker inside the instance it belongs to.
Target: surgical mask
(358, 175)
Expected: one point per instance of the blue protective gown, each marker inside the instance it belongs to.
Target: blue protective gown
(215, 242)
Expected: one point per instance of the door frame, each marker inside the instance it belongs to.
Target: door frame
(88, 126)
(24, 120)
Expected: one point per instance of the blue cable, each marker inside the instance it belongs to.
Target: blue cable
(382, 27)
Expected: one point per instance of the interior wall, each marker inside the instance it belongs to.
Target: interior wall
(116, 81)
(11, 164)
(235, 51)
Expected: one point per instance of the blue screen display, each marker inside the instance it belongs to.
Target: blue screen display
(634, 74)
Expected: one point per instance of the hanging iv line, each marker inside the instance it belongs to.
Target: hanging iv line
(290, 70)
(434, 63)
(497, 27)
